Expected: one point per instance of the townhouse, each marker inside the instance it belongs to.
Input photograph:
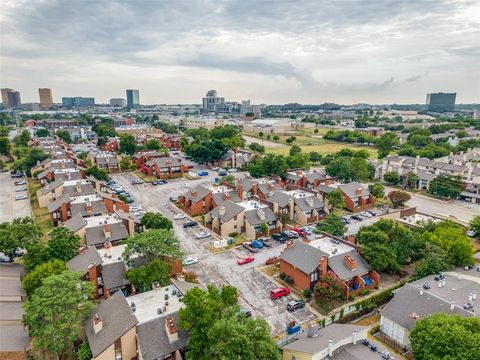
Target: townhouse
(111, 145)
(107, 161)
(196, 201)
(165, 168)
(305, 263)
(356, 197)
(141, 157)
(235, 158)
(308, 180)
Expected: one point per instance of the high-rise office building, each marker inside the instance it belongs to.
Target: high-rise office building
(77, 102)
(133, 99)
(117, 102)
(211, 102)
(441, 102)
(13, 99)
(46, 98)
(5, 92)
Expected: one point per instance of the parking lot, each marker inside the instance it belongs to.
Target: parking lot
(218, 269)
(9, 207)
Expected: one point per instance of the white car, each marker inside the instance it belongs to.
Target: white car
(202, 235)
(179, 217)
(366, 214)
(190, 260)
(21, 197)
(22, 182)
(22, 188)
(215, 168)
(232, 170)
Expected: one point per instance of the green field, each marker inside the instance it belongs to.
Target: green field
(326, 147)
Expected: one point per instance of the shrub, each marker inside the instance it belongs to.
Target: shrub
(364, 292)
(288, 279)
(307, 293)
(233, 234)
(282, 275)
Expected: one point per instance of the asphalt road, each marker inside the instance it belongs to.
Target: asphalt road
(9, 207)
(218, 269)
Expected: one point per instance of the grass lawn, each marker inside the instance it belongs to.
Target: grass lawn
(323, 147)
(42, 217)
(147, 179)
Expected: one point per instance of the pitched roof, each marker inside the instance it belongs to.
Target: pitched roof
(311, 177)
(75, 223)
(82, 261)
(55, 204)
(95, 235)
(70, 175)
(98, 207)
(309, 203)
(325, 188)
(117, 319)
(254, 219)
(197, 193)
(52, 186)
(279, 198)
(11, 311)
(85, 189)
(338, 266)
(220, 197)
(268, 188)
(304, 257)
(113, 275)
(12, 270)
(247, 184)
(153, 342)
(231, 209)
(167, 162)
(14, 338)
(106, 160)
(350, 189)
(43, 174)
(425, 175)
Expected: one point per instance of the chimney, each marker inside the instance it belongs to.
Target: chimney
(193, 193)
(452, 305)
(312, 329)
(270, 186)
(309, 201)
(97, 323)
(290, 244)
(221, 210)
(107, 245)
(171, 329)
(330, 347)
(299, 172)
(78, 187)
(350, 262)
(89, 208)
(107, 231)
(354, 336)
(261, 214)
(358, 191)
(323, 265)
(226, 196)
(168, 162)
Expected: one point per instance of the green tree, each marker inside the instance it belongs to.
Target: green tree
(435, 260)
(22, 139)
(97, 173)
(144, 276)
(84, 352)
(104, 130)
(446, 186)
(380, 257)
(55, 312)
(294, 150)
(332, 224)
(444, 336)
(475, 226)
(156, 221)
(19, 233)
(5, 146)
(385, 143)
(315, 157)
(411, 180)
(257, 147)
(153, 144)
(268, 165)
(377, 190)
(260, 134)
(128, 144)
(398, 198)
(230, 179)
(63, 244)
(153, 244)
(35, 278)
(42, 133)
(276, 137)
(64, 135)
(392, 178)
(126, 163)
(37, 254)
(328, 288)
(336, 199)
(290, 140)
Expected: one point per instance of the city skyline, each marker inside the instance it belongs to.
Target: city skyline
(275, 52)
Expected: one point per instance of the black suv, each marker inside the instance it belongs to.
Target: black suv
(279, 237)
(295, 305)
(188, 224)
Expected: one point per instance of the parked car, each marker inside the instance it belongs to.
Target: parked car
(257, 244)
(295, 305)
(21, 182)
(202, 173)
(300, 232)
(279, 237)
(245, 260)
(272, 260)
(173, 198)
(23, 188)
(222, 173)
(357, 217)
(21, 197)
(279, 292)
(4, 258)
(179, 216)
(245, 312)
(266, 242)
(155, 183)
(232, 170)
(190, 223)
(190, 260)
(137, 182)
(129, 200)
(366, 214)
(290, 234)
(215, 168)
(202, 235)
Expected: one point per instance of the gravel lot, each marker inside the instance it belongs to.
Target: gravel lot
(218, 269)
(9, 207)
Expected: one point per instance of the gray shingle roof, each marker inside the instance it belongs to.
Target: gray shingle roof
(117, 319)
(71, 175)
(231, 209)
(14, 338)
(293, 177)
(85, 189)
(167, 162)
(95, 235)
(52, 186)
(98, 208)
(253, 218)
(247, 184)
(200, 193)
(153, 341)
(309, 203)
(113, 275)
(43, 174)
(11, 311)
(279, 198)
(311, 177)
(106, 160)
(220, 198)
(82, 261)
(55, 204)
(304, 257)
(350, 189)
(267, 188)
(425, 175)
(325, 189)
(338, 266)
(75, 223)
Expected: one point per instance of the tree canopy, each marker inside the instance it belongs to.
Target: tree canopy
(446, 186)
(475, 226)
(35, 278)
(332, 224)
(128, 144)
(63, 243)
(19, 233)
(97, 173)
(64, 135)
(398, 198)
(144, 276)
(153, 244)
(156, 221)
(336, 199)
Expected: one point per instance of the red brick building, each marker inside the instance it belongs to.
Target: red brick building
(196, 201)
(141, 157)
(111, 145)
(167, 168)
(357, 197)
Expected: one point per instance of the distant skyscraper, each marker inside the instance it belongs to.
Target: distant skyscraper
(117, 102)
(5, 92)
(133, 99)
(13, 99)
(211, 102)
(46, 99)
(77, 102)
(441, 102)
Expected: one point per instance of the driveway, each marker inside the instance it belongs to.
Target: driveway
(218, 269)
(9, 207)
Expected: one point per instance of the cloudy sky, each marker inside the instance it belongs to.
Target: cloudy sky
(381, 51)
